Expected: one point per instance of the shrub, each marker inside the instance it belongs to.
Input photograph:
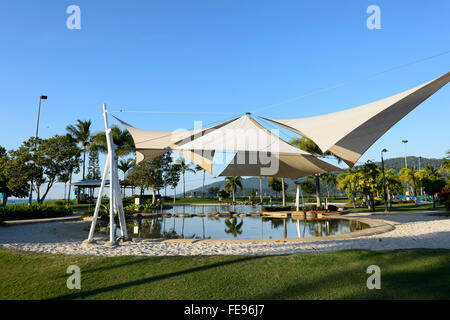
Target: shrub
(447, 204)
(332, 207)
(35, 211)
(275, 209)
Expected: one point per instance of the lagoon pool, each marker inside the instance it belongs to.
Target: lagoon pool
(233, 228)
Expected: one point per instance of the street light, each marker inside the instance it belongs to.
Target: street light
(35, 143)
(384, 181)
(406, 162)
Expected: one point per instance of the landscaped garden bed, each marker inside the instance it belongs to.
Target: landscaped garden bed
(33, 211)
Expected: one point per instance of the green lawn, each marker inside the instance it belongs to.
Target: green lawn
(403, 207)
(405, 274)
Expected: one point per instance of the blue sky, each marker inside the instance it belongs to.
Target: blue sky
(222, 57)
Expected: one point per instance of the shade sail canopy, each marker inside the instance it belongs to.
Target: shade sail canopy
(285, 165)
(243, 134)
(151, 144)
(349, 133)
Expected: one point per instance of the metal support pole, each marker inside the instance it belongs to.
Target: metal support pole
(99, 201)
(297, 198)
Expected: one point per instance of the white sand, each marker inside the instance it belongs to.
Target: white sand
(412, 230)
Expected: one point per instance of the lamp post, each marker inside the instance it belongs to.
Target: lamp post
(406, 165)
(35, 144)
(406, 162)
(384, 181)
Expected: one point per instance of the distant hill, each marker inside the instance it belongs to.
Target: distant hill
(415, 163)
(253, 182)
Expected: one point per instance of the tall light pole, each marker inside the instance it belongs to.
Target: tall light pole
(406, 161)
(406, 164)
(35, 143)
(384, 181)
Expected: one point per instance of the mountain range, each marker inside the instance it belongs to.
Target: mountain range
(253, 182)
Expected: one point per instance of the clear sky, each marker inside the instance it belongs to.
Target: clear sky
(221, 57)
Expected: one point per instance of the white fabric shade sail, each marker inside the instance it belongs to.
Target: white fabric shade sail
(243, 134)
(286, 165)
(349, 133)
(150, 144)
(265, 153)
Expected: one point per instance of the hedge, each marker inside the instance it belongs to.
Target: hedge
(35, 211)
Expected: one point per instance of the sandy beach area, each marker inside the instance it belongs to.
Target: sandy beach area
(411, 230)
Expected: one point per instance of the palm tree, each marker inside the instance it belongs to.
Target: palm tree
(278, 186)
(412, 178)
(121, 138)
(330, 180)
(125, 166)
(232, 184)
(72, 168)
(309, 146)
(184, 167)
(197, 169)
(81, 134)
(347, 182)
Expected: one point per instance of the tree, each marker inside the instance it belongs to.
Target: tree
(172, 178)
(184, 167)
(275, 184)
(446, 168)
(260, 190)
(279, 186)
(165, 166)
(347, 182)
(308, 186)
(121, 138)
(446, 162)
(224, 194)
(93, 166)
(308, 145)
(82, 135)
(74, 165)
(197, 169)
(13, 181)
(232, 184)
(330, 180)
(367, 182)
(393, 184)
(125, 166)
(432, 181)
(214, 191)
(410, 176)
(51, 160)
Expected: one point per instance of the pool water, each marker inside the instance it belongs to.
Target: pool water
(233, 228)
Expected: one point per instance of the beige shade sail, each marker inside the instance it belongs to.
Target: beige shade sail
(150, 144)
(243, 134)
(349, 133)
(291, 166)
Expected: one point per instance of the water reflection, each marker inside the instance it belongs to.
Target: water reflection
(204, 226)
(233, 227)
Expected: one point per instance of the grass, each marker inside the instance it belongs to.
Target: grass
(405, 274)
(403, 207)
